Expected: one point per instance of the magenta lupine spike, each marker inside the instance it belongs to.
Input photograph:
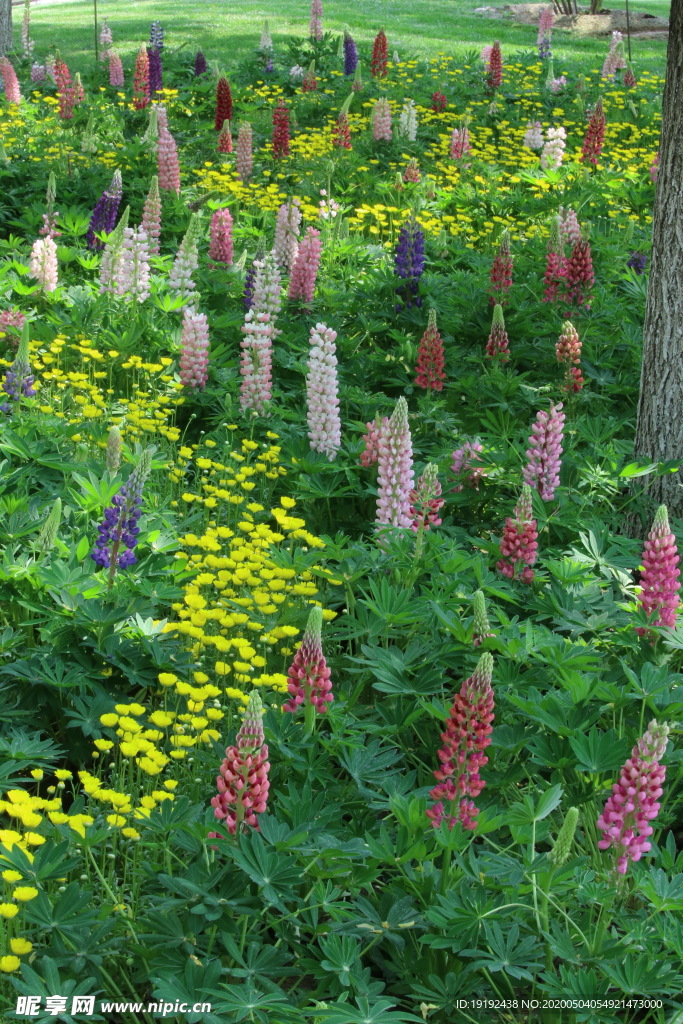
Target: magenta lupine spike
(310, 682)
(498, 344)
(244, 160)
(659, 580)
(395, 478)
(595, 136)
(466, 466)
(579, 275)
(10, 81)
(243, 781)
(381, 120)
(425, 500)
(168, 165)
(305, 269)
(370, 455)
(501, 272)
(634, 801)
(467, 735)
(194, 349)
(286, 242)
(220, 237)
(151, 216)
(324, 424)
(542, 471)
(519, 544)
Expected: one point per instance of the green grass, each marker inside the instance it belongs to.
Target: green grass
(228, 32)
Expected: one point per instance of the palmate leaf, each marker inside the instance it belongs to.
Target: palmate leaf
(507, 953)
(274, 873)
(382, 1011)
(245, 1002)
(599, 751)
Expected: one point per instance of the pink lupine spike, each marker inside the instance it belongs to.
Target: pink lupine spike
(466, 466)
(426, 500)
(498, 344)
(395, 479)
(167, 162)
(194, 346)
(305, 269)
(310, 682)
(467, 735)
(659, 580)
(519, 544)
(243, 781)
(542, 471)
(634, 801)
(220, 237)
(501, 272)
(370, 454)
(568, 352)
(324, 424)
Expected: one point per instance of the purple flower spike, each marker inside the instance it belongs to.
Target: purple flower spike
(104, 214)
(410, 262)
(118, 533)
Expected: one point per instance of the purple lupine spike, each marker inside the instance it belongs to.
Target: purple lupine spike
(350, 55)
(542, 471)
(155, 70)
(104, 214)
(200, 67)
(156, 36)
(118, 532)
(410, 262)
(18, 380)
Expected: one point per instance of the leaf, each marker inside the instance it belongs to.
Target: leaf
(82, 548)
(599, 751)
(634, 469)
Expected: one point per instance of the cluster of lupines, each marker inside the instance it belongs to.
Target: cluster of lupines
(659, 580)
(309, 82)
(595, 136)
(568, 352)
(545, 32)
(341, 133)
(370, 454)
(569, 227)
(429, 369)
(243, 780)
(200, 65)
(118, 533)
(220, 237)
(542, 471)
(501, 272)
(223, 103)
(411, 173)
(305, 269)
(156, 35)
(106, 41)
(194, 349)
(519, 544)
(381, 120)
(310, 683)
(18, 381)
(395, 476)
(259, 333)
(579, 276)
(322, 399)
(634, 801)
(104, 214)
(409, 263)
(439, 102)
(132, 274)
(498, 344)
(380, 55)
(466, 737)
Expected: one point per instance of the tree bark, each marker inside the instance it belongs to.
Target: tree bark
(5, 27)
(659, 432)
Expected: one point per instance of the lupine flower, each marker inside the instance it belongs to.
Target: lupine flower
(194, 349)
(341, 136)
(305, 269)
(357, 83)
(579, 276)
(553, 149)
(316, 24)
(115, 70)
(486, 56)
(224, 144)
(220, 235)
(542, 471)
(466, 466)
(168, 166)
(429, 370)
(79, 91)
(249, 280)
(43, 263)
(545, 31)
(141, 80)
(103, 217)
(519, 544)
(156, 36)
(659, 579)
(395, 478)
(460, 141)
(407, 124)
(259, 333)
(265, 42)
(501, 272)
(324, 424)
(425, 500)
(310, 684)
(151, 216)
(280, 129)
(118, 533)
(132, 272)
(533, 137)
(37, 72)
(481, 627)
(467, 735)
(554, 279)
(495, 69)
(350, 55)
(557, 84)
(634, 801)
(112, 257)
(498, 344)
(411, 173)
(243, 781)
(65, 90)
(45, 540)
(106, 40)
(296, 73)
(615, 60)
(565, 837)
(380, 56)
(595, 136)
(12, 321)
(113, 450)
(439, 102)
(409, 262)
(26, 41)
(186, 260)
(200, 66)
(637, 261)
(10, 81)
(286, 242)
(310, 82)
(156, 73)
(654, 168)
(223, 103)
(381, 120)
(569, 227)
(568, 352)
(629, 78)
(244, 161)
(370, 454)
(19, 380)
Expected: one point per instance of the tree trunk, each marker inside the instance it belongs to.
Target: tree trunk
(5, 27)
(659, 432)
